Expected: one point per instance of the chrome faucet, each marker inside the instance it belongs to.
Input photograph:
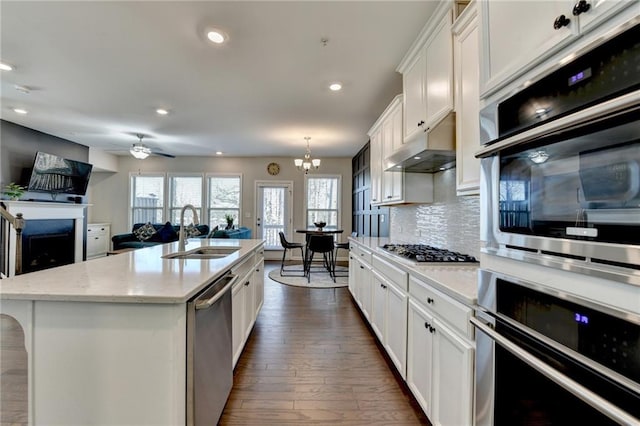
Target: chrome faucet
(181, 241)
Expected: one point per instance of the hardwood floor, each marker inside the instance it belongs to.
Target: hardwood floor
(312, 360)
(13, 373)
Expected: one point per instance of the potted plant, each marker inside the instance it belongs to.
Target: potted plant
(14, 191)
(229, 218)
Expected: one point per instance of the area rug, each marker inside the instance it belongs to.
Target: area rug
(318, 279)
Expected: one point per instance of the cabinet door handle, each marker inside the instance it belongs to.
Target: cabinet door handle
(430, 300)
(96, 238)
(581, 7)
(561, 21)
(421, 123)
(361, 267)
(247, 283)
(427, 325)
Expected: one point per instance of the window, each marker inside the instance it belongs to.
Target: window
(147, 198)
(224, 198)
(323, 200)
(185, 189)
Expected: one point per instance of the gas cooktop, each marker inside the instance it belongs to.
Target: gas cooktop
(424, 253)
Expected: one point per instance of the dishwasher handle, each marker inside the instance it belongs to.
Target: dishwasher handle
(206, 303)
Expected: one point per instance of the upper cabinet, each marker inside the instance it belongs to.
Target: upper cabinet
(467, 100)
(389, 188)
(427, 75)
(517, 35)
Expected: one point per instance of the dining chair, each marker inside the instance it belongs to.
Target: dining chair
(290, 246)
(341, 245)
(320, 244)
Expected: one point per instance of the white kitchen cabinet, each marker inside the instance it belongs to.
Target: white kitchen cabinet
(375, 165)
(362, 285)
(378, 305)
(392, 182)
(420, 356)
(467, 101)
(427, 75)
(517, 36)
(98, 239)
(247, 295)
(258, 278)
(389, 188)
(452, 377)
(395, 330)
(440, 355)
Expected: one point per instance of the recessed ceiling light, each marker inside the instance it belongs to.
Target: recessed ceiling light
(162, 111)
(216, 36)
(335, 86)
(218, 152)
(417, 157)
(20, 110)
(443, 168)
(5, 67)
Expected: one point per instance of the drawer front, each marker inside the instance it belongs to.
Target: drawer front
(361, 253)
(399, 277)
(93, 230)
(451, 311)
(244, 268)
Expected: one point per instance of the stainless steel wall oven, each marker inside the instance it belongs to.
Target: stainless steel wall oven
(547, 358)
(561, 165)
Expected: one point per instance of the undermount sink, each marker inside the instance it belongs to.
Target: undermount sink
(203, 253)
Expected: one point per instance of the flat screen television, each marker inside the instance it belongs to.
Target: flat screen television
(57, 175)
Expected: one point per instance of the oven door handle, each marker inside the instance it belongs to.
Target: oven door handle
(599, 403)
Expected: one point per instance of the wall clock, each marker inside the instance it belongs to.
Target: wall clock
(273, 168)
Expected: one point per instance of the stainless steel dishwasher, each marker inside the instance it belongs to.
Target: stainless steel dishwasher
(209, 352)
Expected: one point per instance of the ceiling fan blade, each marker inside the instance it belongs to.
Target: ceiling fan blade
(162, 154)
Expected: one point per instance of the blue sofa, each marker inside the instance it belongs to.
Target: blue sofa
(130, 240)
(242, 233)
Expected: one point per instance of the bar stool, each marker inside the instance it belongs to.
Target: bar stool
(338, 246)
(290, 246)
(320, 244)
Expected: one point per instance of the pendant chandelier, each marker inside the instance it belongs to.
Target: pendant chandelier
(306, 163)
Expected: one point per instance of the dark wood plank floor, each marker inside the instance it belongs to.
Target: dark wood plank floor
(312, 360)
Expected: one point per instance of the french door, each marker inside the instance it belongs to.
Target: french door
(274, 212)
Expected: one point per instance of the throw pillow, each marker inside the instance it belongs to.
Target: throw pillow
(191, 231)
(213, 232)
(166, 234)
(145, 231)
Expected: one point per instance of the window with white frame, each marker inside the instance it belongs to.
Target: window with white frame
(185, 189)
(323, 200)
(147, 198)
(224, 198)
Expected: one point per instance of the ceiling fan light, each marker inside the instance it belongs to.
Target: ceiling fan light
(140, 151)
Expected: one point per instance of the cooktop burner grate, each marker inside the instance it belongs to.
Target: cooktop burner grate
(425, 253)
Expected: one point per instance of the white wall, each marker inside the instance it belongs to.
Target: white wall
(108, 192)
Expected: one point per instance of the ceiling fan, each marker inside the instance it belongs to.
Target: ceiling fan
(141, 151)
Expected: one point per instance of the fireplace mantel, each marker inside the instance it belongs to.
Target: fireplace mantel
(36, 210)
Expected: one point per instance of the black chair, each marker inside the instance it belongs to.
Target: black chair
(290, 246)
(320, 244)
(338, 246)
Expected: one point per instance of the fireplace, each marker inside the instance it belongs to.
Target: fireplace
(47, 243)
(44, 244)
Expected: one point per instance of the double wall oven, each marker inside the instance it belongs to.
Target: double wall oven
(560, 197)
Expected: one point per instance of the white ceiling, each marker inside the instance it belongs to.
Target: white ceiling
(97, 71)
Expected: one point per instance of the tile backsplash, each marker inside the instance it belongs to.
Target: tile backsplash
(450, 222)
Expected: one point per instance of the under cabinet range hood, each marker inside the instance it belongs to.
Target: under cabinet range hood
(432, 151)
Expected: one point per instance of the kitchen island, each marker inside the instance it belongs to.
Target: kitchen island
(106, 339)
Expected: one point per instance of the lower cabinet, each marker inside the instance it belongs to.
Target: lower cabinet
(98, 239)
(426, 334)
(439, 365)
(247, 297)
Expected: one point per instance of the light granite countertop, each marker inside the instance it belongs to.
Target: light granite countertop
(459, 281)
(139, 276)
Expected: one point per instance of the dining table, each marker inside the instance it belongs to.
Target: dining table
(316, 231)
